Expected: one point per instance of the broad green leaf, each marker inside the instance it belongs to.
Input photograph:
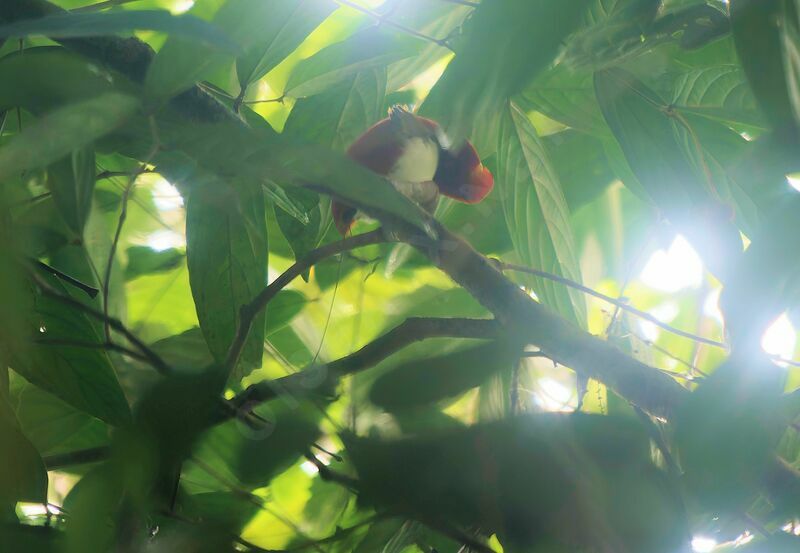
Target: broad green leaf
(325, 507)
(80, 375)
(143, 260)
(252, 457)
(226, 248)
(73, 25)
(719, 92)
(565, 95)
(181, 62)
(370, 49)
(284, 307)
(23, 477)
(650, 135)
(508, 43)
(508, 477)
(537, 214)
(756, 33)
(187, 350)
(445, 376)
(790, 38)
(51, 424)
(64, 130)
(71, 182)
(285, 25)
(45, 78)
(225, 510)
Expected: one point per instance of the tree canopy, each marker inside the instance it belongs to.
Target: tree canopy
(597, 357)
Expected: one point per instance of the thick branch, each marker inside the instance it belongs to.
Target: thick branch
(250, 311)
(322, 378)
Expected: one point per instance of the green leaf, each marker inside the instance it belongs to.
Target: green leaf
(508, 476)
(23, 477)
(284, 307)
(81, 376)
(370, 49)
(790, 38)
(143, 260)
(64, 130)
(445, 376)
(508, 43)
(45, 78)
(652, 138)
(718, 92)
(755, 25)
(252, 457)
(187, 350)
(51, 424)
(71, 182)
(286, 23)
(226, 248)
(74, 25)
(537, 214)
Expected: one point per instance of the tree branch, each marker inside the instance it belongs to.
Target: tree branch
(613, 301)
(248, 312)
(322, 378)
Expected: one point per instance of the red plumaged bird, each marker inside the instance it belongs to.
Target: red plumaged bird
(413, 153)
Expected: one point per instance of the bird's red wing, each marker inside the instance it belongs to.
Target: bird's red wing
(377, 149)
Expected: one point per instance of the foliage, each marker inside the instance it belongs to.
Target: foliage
(168, 383)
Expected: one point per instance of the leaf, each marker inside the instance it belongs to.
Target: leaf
(64, 130)
(253, 456)
(370, 49)
(285, 26)
(445, 376)
(24, 477)
(79, 375)
(509, 476)
(508, 43)
(143, 260)
(226, 250)
(71, 182)
(718, 92)
(284, 307)
(75, 25)
(650, 137)
(51, 424)
(187, 350)
(755, 26)
(225, 510)
(537, 214)
(790, 38)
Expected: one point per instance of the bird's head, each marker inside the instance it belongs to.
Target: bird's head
(461, 175)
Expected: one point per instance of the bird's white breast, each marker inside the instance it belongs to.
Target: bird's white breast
(417, 163)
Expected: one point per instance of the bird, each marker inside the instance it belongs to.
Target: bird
(415, 155)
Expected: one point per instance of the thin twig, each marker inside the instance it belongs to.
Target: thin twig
(91, 291)
(388, 22)
(113, 346)
(462, 3)
(319, 377)
(279, 99)
(123, 214)
(111, 174)
(102, 5)
(613, 301)
(152, 357)
(250, 311)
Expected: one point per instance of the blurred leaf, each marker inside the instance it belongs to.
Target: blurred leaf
(71, 182)
(509, 476)
(73, 25)
(62, 131)
(80, 375)
(790, 38)
(649, 135)
(226, 241)
(325, 507)
(284, 307)
(370, 49)
(53, 425)
(507, 44)
(755, 25)
(32, 539)
(286, 24)
(537, 214)
(252, 456)
(143, 260)
(23, 477)
(187, 350)
(228, 511)
(445, 376)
